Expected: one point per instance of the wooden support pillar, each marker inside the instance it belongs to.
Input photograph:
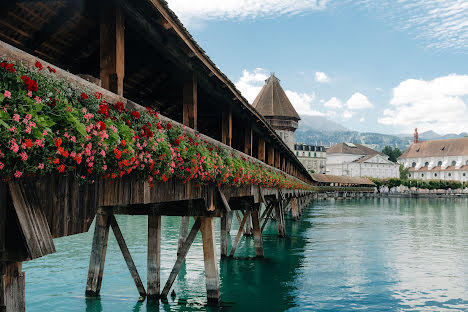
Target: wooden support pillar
(224, 233)
(280, 218)
(12, 287)
(112, 47)
(277, 160)
(261, 148)
(3, 209)
(271, 155)
(209, 255)
(126, 254)
(257, 233)
(248, 230)
(154, 257)
(248, 141)
(226, 126)
(183, 231)
(239, 233)
(190, 101)
(181, 257)
(98, 253)
(295, 210)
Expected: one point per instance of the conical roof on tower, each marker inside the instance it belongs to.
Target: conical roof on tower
(273, 102)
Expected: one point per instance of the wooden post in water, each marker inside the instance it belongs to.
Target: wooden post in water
(224, 233)
(280, 218)
(12, 286)
(209, 255)
(257, 232)
(154, 257)
(295, 209)
(98, 253)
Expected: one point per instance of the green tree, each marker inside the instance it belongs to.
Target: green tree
(404, 173)
(392, 154)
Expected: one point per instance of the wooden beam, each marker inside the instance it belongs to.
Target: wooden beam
(261, 148)
(210, 260)
(98, 253)
(3, 209)
(227, 126)
(112, 47)
(181, 257)
(279, 219)
(183, 231)
(277, 159)
(126, 254)
(224, 200)
(257, 234)
(154, 257)
(224, 234)
(239, 233)
(190, 101)
(270, 210)
(295, 211)
(12, 287)
(248, 141)
(271, 155)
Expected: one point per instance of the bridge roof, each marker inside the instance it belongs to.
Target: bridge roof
(325, 178)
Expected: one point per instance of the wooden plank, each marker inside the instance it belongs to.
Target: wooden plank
(224, 234)
(126, 254)
(279, 219)
(210, 260)
(12, 288)
(248, 140)
(181, 257)
(261, 148)
(190, 101)
(98, 253)
(224, 200)
(183, 231)
(271, 155)
(257, 232)
(3, 209)
(112, 41)
(226, 126)
(277, 159)
(239, 233)
(154, 257)
(295, 209)
(267, 207)
(32, 221)
(267, 218)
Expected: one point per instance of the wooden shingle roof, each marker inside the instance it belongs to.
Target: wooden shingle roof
(273, 102)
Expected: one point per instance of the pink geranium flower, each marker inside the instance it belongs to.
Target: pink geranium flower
(18, 174)
(7, 94)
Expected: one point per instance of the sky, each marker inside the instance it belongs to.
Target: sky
(384, 66)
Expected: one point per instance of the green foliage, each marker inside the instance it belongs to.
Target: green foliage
(392, 154)
(404, 172)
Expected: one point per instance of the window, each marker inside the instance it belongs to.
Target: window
(439, 163)
(426, 164)
(422, 174)
(309, 154)
(413, 164)
(466, 163)
(449, 174)
(297, 153)
(315, 154)
(435, 174)
(409, 175)
(454, 163)
(464, 174)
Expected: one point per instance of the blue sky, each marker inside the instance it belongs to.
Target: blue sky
(372, 65)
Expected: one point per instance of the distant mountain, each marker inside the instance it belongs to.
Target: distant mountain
(318, 123)
(431, 135)
(375, 141)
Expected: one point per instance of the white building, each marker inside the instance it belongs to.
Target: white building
(437, 159)
(356, 160)
(314, 158)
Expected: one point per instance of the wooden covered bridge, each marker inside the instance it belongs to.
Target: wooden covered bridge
(137, 53)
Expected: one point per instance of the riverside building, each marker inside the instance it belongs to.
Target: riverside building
(437, 159)
(356, 160)
(313, 157)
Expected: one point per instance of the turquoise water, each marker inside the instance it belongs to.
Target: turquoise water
(366, 255)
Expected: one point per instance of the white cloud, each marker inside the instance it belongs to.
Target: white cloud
(440, 24)
(331, 114)
(189, 10)
(302, 102)
(439, 105)
(333, 103)
(250, 84)
(347, 114)
(362, 119)
(358, 101)
(321, 77)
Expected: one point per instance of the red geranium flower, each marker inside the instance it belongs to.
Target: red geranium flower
(123, 143)
(119, 106)
(61, 168)
(100, 125)
(52, 70)
(104, 109)
(135, 114)
(84, 96)
(168, 126)
(31, 85)
(38, 65)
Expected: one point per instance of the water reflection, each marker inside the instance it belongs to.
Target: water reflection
(368, 254)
